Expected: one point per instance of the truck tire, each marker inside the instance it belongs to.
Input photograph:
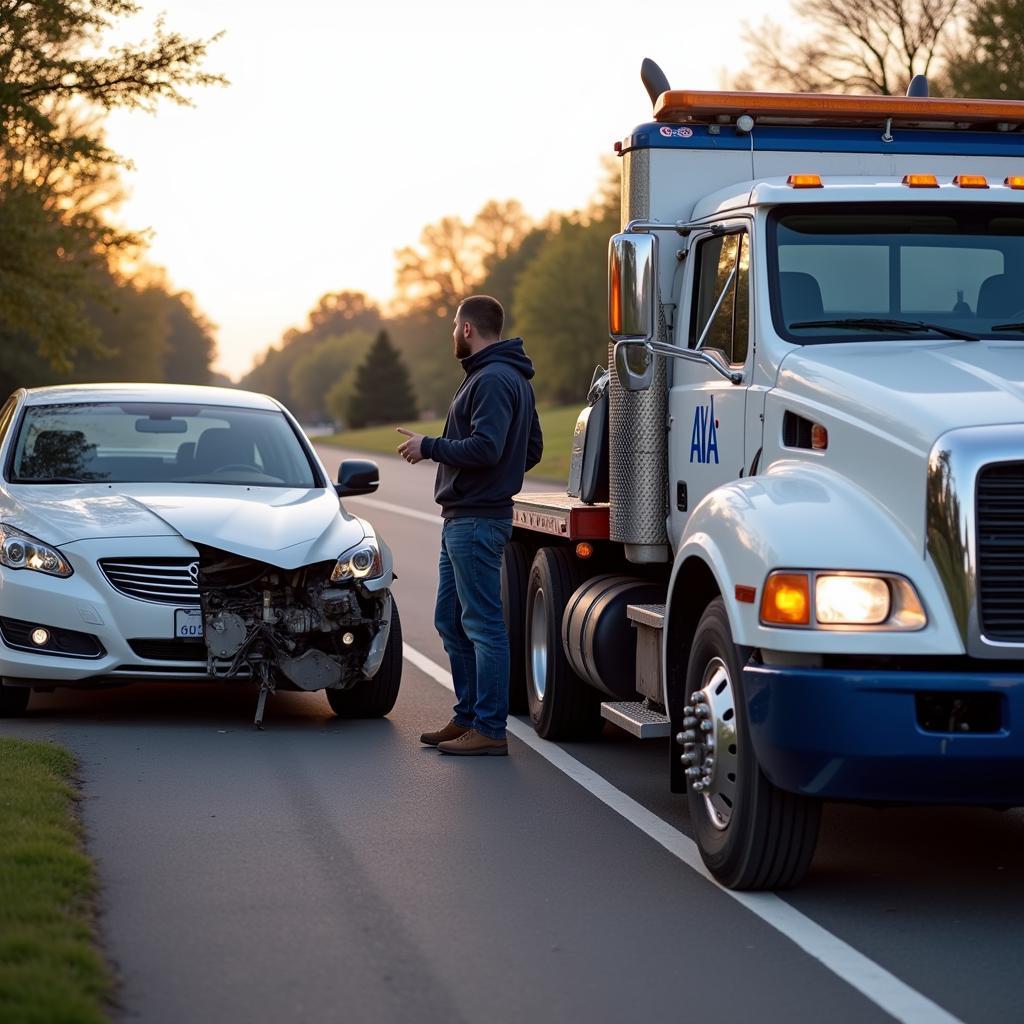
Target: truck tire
(13, 700)
(374, 698)
(562, 706)
(515, 573)
(751, 835)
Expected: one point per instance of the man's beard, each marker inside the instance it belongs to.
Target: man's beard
(462, 349)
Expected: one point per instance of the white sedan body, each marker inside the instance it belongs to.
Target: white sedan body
(131, 516)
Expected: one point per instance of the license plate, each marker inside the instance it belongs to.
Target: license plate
(188, 623)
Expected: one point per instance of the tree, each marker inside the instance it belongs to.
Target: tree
(189, 344)
(328, 370)
(561, 302)
(454, 257)
(58, 74)
(989, 63)
(381, 392)
(872, 46)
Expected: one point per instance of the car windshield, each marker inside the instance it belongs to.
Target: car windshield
(120, 443)
(880, 272)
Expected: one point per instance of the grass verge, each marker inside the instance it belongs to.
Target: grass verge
(557, 424)
(50, 969)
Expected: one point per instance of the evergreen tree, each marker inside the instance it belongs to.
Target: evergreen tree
(382, 391)
(990, 64)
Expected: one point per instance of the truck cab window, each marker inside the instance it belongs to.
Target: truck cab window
(721, 296)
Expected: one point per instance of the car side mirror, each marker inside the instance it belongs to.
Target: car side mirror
(357, 476)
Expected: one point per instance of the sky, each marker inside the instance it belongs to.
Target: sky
(349, 126)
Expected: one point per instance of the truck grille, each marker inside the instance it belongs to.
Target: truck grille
(161, 580)
(1000, 524)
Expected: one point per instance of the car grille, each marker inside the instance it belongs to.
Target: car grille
(1000, 543)
(161, 580)
(169, 650)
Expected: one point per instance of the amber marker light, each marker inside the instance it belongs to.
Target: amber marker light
(970, 181)
(1014, 181)
(819, 437)
(786, 600)
(804, 181)
(584, 549)
(921, 180)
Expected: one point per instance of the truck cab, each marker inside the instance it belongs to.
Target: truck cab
(808, 570)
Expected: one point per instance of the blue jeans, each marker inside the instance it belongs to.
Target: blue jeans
(470, 620)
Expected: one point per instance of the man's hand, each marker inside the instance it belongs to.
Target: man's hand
(411, 450)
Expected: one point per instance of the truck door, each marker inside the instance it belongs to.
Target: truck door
(706, 411)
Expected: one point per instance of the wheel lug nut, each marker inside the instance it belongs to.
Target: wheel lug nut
(689, 757)
(689, 736)
(698, 787)
(706, 726)
(688, 710)
(689, 722)
(693, 773)
(709, 764)
(703, 711)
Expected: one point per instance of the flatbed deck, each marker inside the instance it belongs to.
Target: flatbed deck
(561, 516)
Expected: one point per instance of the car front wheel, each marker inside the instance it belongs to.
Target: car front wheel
(374, 698)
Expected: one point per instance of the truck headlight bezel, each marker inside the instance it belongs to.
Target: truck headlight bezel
(362, 561)
(21, 551)
(843, 601)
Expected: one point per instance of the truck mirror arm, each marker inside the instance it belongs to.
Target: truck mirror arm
(695, 356)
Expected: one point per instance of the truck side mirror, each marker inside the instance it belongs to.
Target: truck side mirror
(357, 476)
(632, 287)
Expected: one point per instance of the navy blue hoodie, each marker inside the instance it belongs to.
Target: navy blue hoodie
(491, 437)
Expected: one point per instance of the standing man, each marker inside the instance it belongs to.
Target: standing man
(491, 437)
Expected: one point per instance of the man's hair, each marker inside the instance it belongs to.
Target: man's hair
(484, 313)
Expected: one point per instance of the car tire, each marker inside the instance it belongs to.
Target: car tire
(13, 700)
(515, 574)
(562, 706)
(751, 834)
(374, 698)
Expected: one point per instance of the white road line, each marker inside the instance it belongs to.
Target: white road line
(870, 979)
(386, 506)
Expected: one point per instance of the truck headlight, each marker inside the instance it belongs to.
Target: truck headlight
(842, 600)
(362, 562)
(20, 551)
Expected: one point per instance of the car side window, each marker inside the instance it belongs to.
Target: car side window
(722, 296)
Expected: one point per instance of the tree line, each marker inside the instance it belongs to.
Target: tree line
(77, 300)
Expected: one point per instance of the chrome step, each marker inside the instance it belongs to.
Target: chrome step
(652, 615)
(636, 717)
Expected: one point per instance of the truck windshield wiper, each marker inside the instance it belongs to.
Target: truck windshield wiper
(881, 324)
(1008, 327)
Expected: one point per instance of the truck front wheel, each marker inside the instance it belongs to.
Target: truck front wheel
(562, 706)
(751, 835)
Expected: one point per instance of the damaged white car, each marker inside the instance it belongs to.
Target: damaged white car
(164, 532)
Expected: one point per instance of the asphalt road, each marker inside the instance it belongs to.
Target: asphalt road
(326, 871)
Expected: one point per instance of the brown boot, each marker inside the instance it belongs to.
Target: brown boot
(473, 742)
(451, 731)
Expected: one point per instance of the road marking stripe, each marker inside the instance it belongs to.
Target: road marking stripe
(870, 979)
(387, 506)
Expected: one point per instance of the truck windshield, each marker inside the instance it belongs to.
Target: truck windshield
(880, 272)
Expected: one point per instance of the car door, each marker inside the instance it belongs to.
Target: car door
(706, 411)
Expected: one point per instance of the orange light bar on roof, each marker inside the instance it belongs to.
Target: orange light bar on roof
(971, 181)
(921, 180)
(804, 181)
(693, 105)
(1014, 181)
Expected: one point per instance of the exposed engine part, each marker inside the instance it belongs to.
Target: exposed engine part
(290, 628)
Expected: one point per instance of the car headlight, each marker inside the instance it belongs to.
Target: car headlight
(362, 562)
(841, 600)
(20, 551)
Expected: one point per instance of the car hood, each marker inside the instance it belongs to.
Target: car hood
(912, 391)
(286, 527)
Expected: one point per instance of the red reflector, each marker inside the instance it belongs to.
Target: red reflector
(745, 594)
(804, 181)
(921, 180)
(584, 549)
(971, 181)
(618, 147)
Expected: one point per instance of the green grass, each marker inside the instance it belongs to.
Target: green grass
(50, 970)
(556, 423)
